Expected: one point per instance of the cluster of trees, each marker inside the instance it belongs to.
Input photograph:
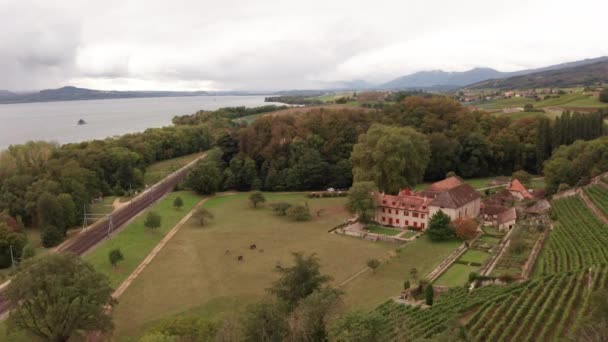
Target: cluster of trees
(223, 114)
(301, 307)
(50, 186)
(576, 164)
(604, 95)
(307, 100)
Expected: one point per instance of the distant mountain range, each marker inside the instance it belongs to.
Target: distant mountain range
(586, 71)
(586, 74)
(442, 80)
(72, 93)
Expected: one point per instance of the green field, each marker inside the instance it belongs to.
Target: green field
(473, 255)
(159, 170)
(567, 100)
(193, 274)
(456, 275)
(383, 231)
(136, 241)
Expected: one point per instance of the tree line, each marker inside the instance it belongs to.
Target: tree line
(50, 186)
(314, 150)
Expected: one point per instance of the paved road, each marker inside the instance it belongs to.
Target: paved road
(99, 230)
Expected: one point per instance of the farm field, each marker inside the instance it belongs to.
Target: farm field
(576, 227)
(599, 196)
(159, 170)
(136, 241)
(567, 100)
(193, 274)
(542, 309)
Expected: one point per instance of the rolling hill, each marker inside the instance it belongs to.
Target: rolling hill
(586, 74)
(442, 80)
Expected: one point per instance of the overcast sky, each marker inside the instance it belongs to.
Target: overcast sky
(281, 44)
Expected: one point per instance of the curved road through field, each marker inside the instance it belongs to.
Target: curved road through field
(100, 230)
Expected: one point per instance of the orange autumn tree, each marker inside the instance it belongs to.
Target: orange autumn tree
(465, 228)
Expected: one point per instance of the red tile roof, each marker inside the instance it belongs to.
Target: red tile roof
(516, 186)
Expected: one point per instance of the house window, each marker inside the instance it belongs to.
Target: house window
(382, 209)
(415, 224)
(389, 211)
(422, 225)
(407, 223)
(397, 221)
(406, 213)
(383, 202)
(396, 211)
(415, 214)
(421, 215)
(383, 218)
(393, 203)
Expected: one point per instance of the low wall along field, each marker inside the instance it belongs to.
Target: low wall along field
(194, 274)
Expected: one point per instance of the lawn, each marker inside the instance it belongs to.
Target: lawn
(408, 234)
(456, 275)
(136, 241)
(159, 170)
(473, 255)
(383, 230)
(193, 274)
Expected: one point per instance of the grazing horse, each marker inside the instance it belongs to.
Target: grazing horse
(253, 246)
(240, 258)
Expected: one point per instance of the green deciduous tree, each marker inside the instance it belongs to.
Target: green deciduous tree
(361, 200)
(178, 202)
(59, 295)
(51, 236)
(392, 157)
(265, 321)
(429, 294)
(298, 281)
(203, 215)
(439, 227)
(8, 238)
(115, 256)
(256, 198)
(205, 177)
(522, 176)
(309, 321)
(153, 220)
(373, 264)
(357, 326)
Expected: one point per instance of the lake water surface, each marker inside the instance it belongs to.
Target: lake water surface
(57, 121)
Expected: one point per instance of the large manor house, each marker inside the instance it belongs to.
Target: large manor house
(411, 209)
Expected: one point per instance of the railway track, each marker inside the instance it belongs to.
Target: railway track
(102, 229)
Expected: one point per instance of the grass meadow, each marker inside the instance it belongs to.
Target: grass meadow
(193, 274)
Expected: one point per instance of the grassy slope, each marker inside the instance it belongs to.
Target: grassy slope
(456, 275)
(136, 241)
(192, 274)
(157, 171)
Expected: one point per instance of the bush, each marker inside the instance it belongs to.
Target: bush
(604, 95)
(51, 236)
(299, 213)
(115, 256)
(28, 251)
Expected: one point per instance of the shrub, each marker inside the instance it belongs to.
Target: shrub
(51, 236)
(28, 251)
(115, 256)
(299, 213)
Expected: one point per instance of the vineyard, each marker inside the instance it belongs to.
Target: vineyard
(542, 309)
(578, 240)
(599, 196)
